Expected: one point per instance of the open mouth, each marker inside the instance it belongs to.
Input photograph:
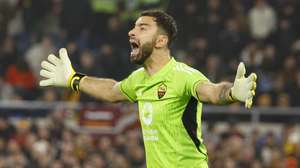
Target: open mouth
(134, 48)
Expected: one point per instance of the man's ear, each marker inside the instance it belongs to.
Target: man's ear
(161, 41)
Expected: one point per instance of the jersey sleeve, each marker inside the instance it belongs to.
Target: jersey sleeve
(195, 79)
(192, 78)
(127, 86)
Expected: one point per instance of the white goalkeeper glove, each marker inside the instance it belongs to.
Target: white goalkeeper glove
(59, 71)
(243, 88)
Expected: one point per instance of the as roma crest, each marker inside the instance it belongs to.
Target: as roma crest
(162, 89)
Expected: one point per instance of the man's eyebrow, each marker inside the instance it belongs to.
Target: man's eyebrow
(142, 24)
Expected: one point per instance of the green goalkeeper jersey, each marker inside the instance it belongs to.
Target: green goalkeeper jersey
(170, 115)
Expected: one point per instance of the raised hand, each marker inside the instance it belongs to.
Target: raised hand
(244, 87)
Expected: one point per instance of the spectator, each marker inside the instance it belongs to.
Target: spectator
(231, 40)
(75, 17)
(6, 13)
(8, 53)
(38, 52)
(262, 20)
(88, 65)
(108, 61)
(19, 75)
(264, 100)
(6, 90)
(213, 67)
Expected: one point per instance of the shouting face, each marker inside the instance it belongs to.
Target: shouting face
(142, 39)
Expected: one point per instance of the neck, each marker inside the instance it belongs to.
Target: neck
(157, 60)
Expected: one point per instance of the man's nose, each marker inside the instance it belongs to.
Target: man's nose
(131, 33)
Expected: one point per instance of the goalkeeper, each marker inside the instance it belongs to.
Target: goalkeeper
(164, 89)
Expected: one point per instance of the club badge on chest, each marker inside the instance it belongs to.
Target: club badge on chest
(161, 91)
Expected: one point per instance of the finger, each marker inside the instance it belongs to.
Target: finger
(253, 86)
(46, 74)
(248, 103)
(53, 59)
(63, 54)
(240, 71)
(250, 94)
(46, 82)
(252, 77)
(47, 66)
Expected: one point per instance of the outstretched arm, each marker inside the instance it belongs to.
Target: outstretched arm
(243, 89)
(215, 93)
(101, 88)
(58, 71)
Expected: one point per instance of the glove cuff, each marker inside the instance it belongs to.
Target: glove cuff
(231, 96)
(75, 80)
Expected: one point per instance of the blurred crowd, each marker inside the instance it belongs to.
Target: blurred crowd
(234, 148)
(214, 36)
(49, 143)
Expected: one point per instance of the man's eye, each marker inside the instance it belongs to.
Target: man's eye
(143, 28)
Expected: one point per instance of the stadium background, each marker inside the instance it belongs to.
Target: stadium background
(53, 127)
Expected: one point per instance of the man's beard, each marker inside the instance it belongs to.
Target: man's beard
(144, 53)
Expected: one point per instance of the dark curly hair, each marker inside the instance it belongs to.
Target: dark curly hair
(165, 22)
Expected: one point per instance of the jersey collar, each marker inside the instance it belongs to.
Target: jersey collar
(164, 70)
